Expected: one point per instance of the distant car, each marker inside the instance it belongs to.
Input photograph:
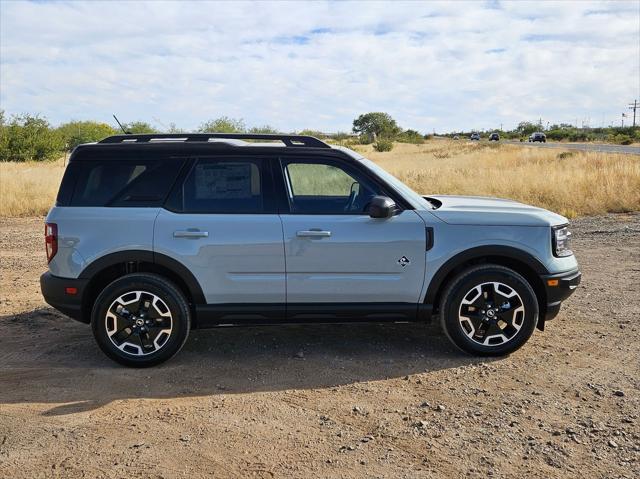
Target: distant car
(475, 137)
(456, 137)
(494, 137)
(538, 136)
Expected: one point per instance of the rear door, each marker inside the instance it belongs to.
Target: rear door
(339, 259)
(221, 223)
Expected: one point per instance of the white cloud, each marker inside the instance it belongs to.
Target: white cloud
(318, 65)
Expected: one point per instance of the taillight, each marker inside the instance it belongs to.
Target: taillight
(51, 240)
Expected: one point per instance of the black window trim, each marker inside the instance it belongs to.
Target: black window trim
(284, 206)
(266, 183)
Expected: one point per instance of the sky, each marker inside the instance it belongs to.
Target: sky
(432, 66)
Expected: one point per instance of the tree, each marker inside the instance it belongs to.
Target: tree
(224, 124)
(29, 137)
(376, 124)
(75, 133)
(526, 128)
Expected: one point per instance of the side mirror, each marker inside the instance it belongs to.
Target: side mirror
(382, 207)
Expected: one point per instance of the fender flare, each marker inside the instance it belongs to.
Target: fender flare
(146, 256)
(480, 252)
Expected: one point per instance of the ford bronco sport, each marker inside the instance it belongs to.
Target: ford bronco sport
(153, 235)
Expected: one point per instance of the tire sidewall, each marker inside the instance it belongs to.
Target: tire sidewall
(463, 284)
(153, 284)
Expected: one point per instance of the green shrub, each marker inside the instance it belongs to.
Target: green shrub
(622, 139)
(75, 133)
(139, 128)
(29, 137)
(410, 136)
(365, 139)
(315, 133)
(383, 145)
(224, 124)
(264, 130)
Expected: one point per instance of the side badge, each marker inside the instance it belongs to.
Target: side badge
(404, 261)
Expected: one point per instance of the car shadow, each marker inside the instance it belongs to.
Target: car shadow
(48, 358)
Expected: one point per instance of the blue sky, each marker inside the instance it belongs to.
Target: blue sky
(442, 66)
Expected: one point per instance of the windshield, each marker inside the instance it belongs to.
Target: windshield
(416, 200)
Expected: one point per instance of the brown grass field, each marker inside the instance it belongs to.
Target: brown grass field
(570, 183)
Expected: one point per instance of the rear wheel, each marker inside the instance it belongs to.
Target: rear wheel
(141, 320)
(489, 310)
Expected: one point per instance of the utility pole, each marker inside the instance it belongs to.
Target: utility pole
(623, 115)
(634, 106)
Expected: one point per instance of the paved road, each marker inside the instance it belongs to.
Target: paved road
(633, 150)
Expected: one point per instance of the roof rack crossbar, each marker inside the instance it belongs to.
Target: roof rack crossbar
(288, 140)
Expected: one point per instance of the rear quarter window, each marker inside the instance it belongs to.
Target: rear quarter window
(123, 183)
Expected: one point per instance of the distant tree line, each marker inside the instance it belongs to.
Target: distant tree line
(27, 137)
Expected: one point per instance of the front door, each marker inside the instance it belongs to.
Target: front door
(338, 258)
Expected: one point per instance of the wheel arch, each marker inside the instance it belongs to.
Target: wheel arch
(108, 268)
(518, 260)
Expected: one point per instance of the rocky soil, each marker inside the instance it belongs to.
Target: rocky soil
(337, 401)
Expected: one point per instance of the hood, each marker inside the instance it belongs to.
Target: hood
(483, 210)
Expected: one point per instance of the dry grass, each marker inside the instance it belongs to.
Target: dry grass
(29, 189)
(570, 183)
(573, 184)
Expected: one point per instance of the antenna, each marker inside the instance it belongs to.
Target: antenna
(121, 127)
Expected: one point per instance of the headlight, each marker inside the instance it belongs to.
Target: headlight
(561, 241)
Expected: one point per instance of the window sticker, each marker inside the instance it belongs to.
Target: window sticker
(223, 181)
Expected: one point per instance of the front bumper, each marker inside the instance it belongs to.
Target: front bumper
(559, 287)
(58, 293)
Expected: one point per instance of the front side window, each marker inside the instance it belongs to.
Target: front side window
(327, 187)
(223, 186)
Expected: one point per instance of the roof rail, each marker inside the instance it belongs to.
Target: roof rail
(288, 140)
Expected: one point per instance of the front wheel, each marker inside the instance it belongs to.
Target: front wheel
(489, 310)
(141, 320)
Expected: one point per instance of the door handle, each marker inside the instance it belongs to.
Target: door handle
(190, 234)
(313, 234)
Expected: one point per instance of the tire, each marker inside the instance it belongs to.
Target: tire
(467, 302)
(153, 328)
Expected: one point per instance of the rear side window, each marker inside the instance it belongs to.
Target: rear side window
(124, 183)
(222, 186)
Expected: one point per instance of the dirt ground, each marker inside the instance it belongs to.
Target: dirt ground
(328, 401)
